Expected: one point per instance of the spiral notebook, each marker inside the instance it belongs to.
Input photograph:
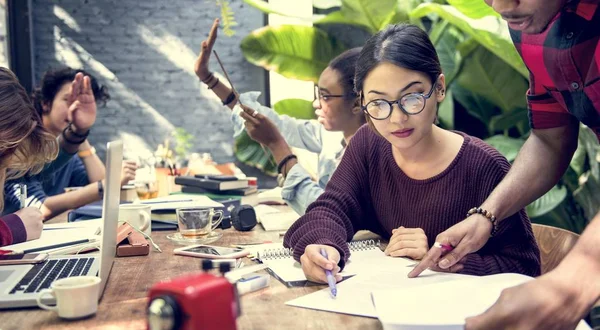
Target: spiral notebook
(365, 255)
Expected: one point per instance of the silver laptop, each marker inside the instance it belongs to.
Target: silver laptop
(20, 284)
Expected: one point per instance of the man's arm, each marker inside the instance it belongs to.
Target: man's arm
(55, 205)
(541, 162)
(94, 168)
(556, 300)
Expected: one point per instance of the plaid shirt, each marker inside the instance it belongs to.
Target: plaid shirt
(564, 63)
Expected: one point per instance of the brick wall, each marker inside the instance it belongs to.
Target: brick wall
(143, 51)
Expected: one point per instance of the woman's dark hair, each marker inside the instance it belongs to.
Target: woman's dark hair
(345, 65)
(53, 80)
(404, 45)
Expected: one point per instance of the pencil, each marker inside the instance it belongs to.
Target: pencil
(50, 247)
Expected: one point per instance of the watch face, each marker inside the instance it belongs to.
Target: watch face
(280, 180)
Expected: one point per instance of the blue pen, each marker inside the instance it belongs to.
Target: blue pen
(330, 278)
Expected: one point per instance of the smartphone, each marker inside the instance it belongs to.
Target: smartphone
(212, 252)
(22, 259)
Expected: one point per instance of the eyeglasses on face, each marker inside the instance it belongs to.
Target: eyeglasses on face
(410, 104)
(325, 97)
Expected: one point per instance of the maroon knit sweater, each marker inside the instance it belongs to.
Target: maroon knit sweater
(368, 191)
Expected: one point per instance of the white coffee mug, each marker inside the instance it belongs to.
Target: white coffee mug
(137, 215)
(76, 297)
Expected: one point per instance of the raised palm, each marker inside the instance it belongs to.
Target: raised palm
(201, 64)
(82, 104)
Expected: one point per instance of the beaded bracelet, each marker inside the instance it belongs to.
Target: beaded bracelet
(486, 214)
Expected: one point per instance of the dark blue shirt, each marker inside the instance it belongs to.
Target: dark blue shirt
(72, 174)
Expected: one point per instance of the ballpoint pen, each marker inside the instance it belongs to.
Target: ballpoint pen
(23, 194)
(330, 278)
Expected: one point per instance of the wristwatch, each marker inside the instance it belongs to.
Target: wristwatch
(87, 153)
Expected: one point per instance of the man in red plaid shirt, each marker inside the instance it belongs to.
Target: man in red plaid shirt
(559, 43)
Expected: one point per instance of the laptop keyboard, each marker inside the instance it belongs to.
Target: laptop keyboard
(43, 274)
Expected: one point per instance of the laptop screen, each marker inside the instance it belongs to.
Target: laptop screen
(110, 210)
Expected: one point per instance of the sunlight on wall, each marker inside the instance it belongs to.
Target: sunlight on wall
(69, 52)
(281, 87)
(69, 21)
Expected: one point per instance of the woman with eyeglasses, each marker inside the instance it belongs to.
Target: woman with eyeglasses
(405, 178)
(337, 108)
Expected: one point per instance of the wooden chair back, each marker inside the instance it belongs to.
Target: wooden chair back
(554, 244)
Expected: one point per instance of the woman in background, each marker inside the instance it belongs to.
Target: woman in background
(26, 147)
(336, 106)
(84, 170)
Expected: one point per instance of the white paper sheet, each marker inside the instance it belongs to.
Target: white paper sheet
(354, 294)
(173, 202)
(61, 233)
(450, 302)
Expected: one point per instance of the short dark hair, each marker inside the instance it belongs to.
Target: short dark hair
(54, 79)
(345, 65)
(404, 45)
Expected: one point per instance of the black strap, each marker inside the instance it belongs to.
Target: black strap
(284, 161)
(229, 98)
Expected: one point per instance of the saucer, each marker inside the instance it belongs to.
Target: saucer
(179, 239)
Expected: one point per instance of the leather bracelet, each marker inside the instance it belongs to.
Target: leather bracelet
(100, 189)
(229, 98)
(488, 215)
(208, 79)
(215, 84)
(70, 128)
(82, 137)
(284, 161)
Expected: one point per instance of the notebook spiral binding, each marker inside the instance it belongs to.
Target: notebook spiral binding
(362, 245)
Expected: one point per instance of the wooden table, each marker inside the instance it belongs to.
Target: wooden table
(123, 305)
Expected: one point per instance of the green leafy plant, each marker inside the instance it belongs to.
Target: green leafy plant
(486, 80)
(227, 17)
(184, 142)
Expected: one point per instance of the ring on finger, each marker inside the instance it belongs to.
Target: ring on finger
(254, 113)
(445, 247)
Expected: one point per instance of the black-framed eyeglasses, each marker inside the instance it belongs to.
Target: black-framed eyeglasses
(410, 104)
(325, 97)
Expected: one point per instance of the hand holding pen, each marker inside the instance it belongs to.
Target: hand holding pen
(317, 267)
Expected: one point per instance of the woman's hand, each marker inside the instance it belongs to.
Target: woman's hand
(314, 264)
(260, 128)
(128, 172)
(408, 242)
(82, 104)
(33, 220)
(201, 64)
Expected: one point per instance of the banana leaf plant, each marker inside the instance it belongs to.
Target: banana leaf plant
(485, 76)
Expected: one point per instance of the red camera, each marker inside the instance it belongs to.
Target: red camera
(199, 301)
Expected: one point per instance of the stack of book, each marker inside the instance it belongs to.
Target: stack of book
(214, 184)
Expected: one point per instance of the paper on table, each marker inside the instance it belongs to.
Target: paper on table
(354, 294)
(289, 270)
(61, 233)
(173, 202)
(412, 308)
(273, 219)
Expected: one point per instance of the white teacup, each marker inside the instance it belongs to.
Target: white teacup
(137, 215)
(76, 297)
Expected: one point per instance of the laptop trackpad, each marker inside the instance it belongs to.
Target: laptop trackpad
(5, 274)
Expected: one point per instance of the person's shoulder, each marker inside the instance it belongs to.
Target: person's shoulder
(366, 137)
(480, 153)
